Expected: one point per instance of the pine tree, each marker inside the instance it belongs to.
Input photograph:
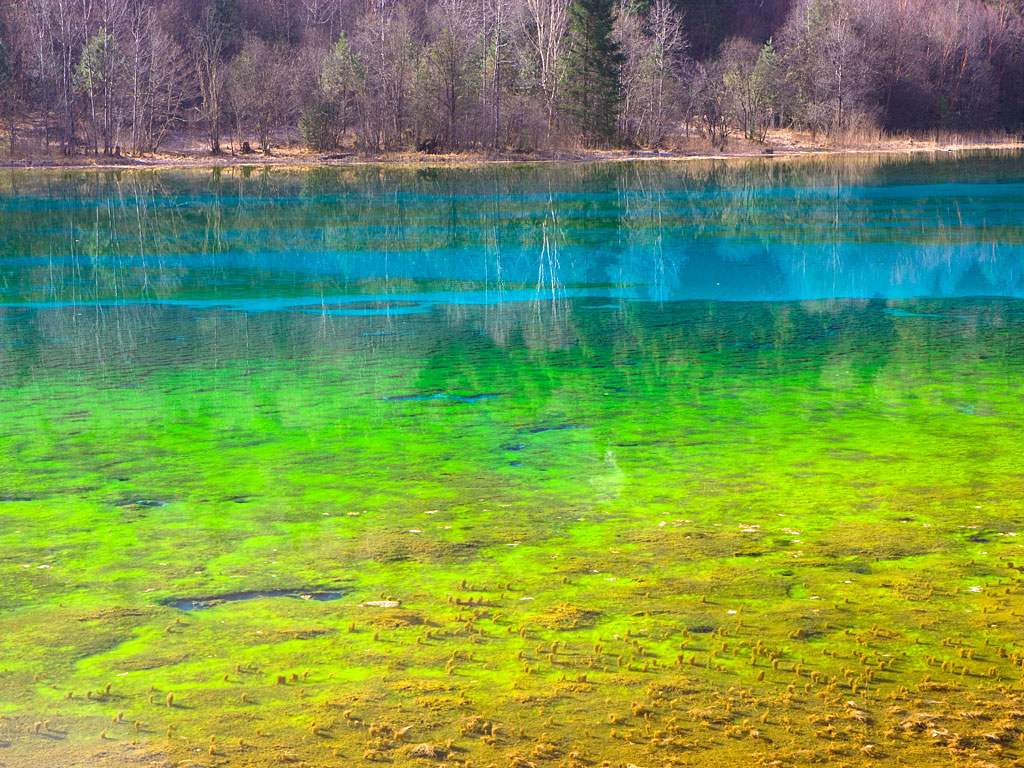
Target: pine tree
(592, 90)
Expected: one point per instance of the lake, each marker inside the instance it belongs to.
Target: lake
(618, 464)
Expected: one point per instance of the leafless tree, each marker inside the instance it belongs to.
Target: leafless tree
(262, 89)
(496, 35)
(212, 45)
(826, 54)
(60, 31)
(101, 74)
(383, 41)
(321, 17)
(653, 46)
(450, 61)
(668, 47)
(546, 24)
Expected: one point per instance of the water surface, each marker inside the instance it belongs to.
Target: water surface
(653, 464)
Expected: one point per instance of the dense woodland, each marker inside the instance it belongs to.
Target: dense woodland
(113, 76)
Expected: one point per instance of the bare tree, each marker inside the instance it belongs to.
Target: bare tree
(98, 74)
(262, 91)
(653, 45)
(383, 41)
(666, 52)
(60, 31)
(165, 87)
(213, 43)
(546, 26)
(825, 54)
(710, 101)
(496, 15)
(321, 17)
(450, 60)
(9, 96)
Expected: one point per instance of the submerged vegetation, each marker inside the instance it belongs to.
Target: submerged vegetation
(635, 532)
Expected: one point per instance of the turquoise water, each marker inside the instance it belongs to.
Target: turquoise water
(640, 463)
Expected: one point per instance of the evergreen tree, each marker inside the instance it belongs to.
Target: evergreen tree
(592, 91)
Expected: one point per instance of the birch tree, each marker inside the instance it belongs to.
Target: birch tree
(547, 22)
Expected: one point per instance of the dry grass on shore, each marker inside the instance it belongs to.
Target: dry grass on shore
(187, 152)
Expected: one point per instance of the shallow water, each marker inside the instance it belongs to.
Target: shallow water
(649, 464)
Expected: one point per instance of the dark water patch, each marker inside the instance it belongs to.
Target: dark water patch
(555, 428)
(828, 333)
(15, 498)
(513, 447)
(201, 603)
(139, 502)
(470, 399)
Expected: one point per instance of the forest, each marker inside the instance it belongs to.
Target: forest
(126, 77)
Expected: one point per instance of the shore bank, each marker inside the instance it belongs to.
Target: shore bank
(298, 158)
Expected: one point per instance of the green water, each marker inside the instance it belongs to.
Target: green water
(663, 464)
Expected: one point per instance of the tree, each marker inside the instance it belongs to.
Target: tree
(961, 74)
(161, 80)
(751, 85)
(321, 16)
(455, 73)
(593, 62)
(341, 76)
(96, 76)
(58, 31)
(898, 55)
(261, 89)
(449, 61)
(652, 45)
(495, 60)
(826, 65)
(548, 21)
(710, 101)
(664, 64)
(383, 41)
(215, 40)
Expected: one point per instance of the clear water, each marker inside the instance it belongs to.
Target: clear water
(651, 464)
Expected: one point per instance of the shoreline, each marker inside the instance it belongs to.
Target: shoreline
(301, 160)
